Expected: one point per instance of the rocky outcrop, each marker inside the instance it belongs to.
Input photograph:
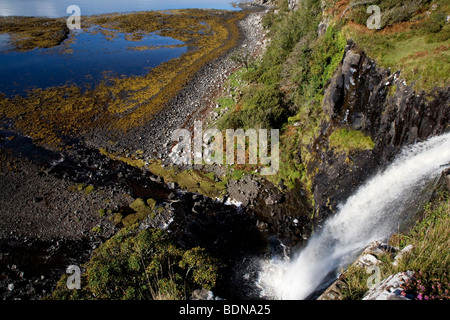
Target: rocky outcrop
(376, 101)
(390, 288)
(203, 295)
(269, 3)
(381, 104)
(293, 4)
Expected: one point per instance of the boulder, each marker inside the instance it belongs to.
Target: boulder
(202, 294)
(379, 103)
(390, 288)
(367, 260)
(401, 254)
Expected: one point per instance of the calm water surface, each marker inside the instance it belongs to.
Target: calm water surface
(57, 8)
(86, 57)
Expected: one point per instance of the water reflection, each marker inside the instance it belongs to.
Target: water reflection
(57, 8)
(84, 58)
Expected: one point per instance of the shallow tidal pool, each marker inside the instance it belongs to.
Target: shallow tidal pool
(84, 58)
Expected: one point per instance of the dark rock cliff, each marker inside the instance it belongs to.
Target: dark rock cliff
(362, 96)
(375, 101)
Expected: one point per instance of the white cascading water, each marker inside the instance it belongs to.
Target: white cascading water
(373, 213)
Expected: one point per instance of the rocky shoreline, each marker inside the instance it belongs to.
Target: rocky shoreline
(196, 101)
(50, 209)
(56, 208)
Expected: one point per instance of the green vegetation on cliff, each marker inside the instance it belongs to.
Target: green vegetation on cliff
(429, 259)
(285, 88)
(117, 104)
(137, 265)
(415, 39)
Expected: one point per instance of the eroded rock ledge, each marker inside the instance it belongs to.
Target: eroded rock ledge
(378, 102)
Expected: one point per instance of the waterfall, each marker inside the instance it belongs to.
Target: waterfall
(374, 212)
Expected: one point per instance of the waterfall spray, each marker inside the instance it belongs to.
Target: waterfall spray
(374, 212)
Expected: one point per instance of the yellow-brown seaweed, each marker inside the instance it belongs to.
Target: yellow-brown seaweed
(121, 103)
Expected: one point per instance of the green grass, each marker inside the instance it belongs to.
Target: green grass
(142, 265)
(287, 85)
(237, 174)
(89, 189)
(430, 258)
(345, 140)
(419, 47)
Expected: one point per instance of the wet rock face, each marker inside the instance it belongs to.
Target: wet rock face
(382, 105)
(338, 179)
(227, 233)
(362, 96)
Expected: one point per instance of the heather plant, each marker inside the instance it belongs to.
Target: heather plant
(429, 259)
(425, 286)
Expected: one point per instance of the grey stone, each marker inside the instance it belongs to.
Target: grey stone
(202, 294)
(389, 288)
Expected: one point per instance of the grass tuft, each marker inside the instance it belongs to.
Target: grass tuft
(344, 140)
(429, 258)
